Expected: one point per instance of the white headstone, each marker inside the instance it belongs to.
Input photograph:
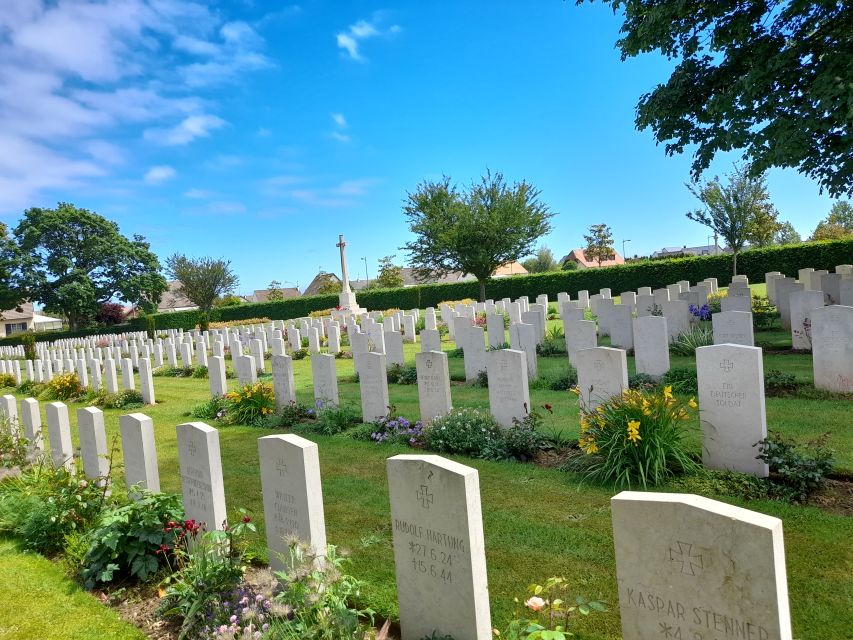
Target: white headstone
(433, 384)
(832, 348)
(394, 348)
(293, 496)
(59, 434)
(693, 568)
(216, 376)
(733, 327)
(30, 417)
(325, 378)
(373, 385)
(651, 345)
(509, 394)
(439, 550)
(731, 407)
(201, 474)
(802, 304)
(140, 452)
(93, 443)
(284, 389)
(146, 381)
(522, 337)
(602, 374)
(430, 340)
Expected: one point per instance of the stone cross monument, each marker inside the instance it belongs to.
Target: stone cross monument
(347, 297)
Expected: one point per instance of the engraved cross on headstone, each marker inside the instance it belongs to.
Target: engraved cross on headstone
(425, 497)
(727, 365)
(689, 562)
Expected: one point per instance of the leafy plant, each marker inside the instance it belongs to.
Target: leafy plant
(13, 450)
(642, 381)
(250, 404)
(637, 438)
(300, 354)
(764, 314)
(464, 431)
(7, 380)
(130, 539)
(28, 340)
(124, 399)
(63, 387)
(686, 343)
(551, 612)
(779, 383)
(213, 409)
(524, 438)
(682, 380)
(396, 430)
(331, 418)
(796, 473)
(562, 381)
(405, 374)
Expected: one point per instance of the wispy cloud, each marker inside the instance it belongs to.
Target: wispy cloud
(59, 101)
(341, 124)
(351, 39)
(158, 174)
(199, 194)
(339, 120)
(344, 194)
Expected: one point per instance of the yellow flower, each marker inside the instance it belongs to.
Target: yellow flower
(575, 390)
(667, 392)
(692, 403)
(634, 431)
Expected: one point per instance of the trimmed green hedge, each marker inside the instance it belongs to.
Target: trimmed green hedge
(628, 277)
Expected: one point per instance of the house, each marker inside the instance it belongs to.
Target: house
(705, 250)
(579, 258)
(173, 300)
(27, 319)
(313, 287)
(263, 295)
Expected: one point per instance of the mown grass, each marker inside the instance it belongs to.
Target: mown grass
(538, 522)
(39, 601)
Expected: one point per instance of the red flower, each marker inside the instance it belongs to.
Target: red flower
(246, 519)
(548, 408)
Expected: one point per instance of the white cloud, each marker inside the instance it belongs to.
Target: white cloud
(339, 120)
(344, 194)
(350, 39)
(190, 128)
(199, 194)
(340, 137)
(159, 174)
(263, 132)
(72, 71)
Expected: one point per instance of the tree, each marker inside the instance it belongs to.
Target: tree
(328, 284)
(72, 260)
(474, 231)
(761, 229)
(390, 275)
(203, 280)
(599, 244)
(838, 224)
(787, 234)
(110, 313)
(541, 262)
(274, 292)
(768, 78)
(731, 208)
(11, 295)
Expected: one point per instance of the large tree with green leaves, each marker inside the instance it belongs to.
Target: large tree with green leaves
(72, 260)
(476, 230)
(769, 78)
(599, 244)
(10, 293)
(203, 280)
(730, 209)
(838, 224)
(786, 234)
(390, 275)
(542, 261)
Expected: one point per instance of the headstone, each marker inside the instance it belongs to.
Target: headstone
(830, 284)
(602, 374)
(651, 345)
(373, 384)
(430, 340)
(127, 381)
(832, 348)
(815, 278)
(146, 381)
(736, 302)
(802, 304)
(731, 407)
(677, 314)
(110, 376)
(334, 339)
(30, 417)
(186, 356)
(583, 298)
(845, 293)
(292, 494)
(216, 376)
(433, 385)
(140, 453)
(93, 443)
(284, 389)
(439, 551)
(394, 348)
(621, 328)
(325, 378)
(473, 344)
(770, 282)
(522, 337)
(247, 372)
(733, 327)
(313, 340)
(509, 394)
(784, 288)
(692, 568)
(201, 474)
(580, 335)
(257, 349)
(496, 330)
(59, 434)
(9, 411)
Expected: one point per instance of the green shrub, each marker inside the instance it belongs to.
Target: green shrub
(779, 383)
(560, 381)
(682, 380)
(764, 314)
(406, 374)
(46, 503)
(199, 372)
(524, 439)
(29, 342)
(465, 431)
(7, 380)
(62, 387)
(686, 343)
(250, 404)
(300, 354)
(331, 418)
(150, 327)
(642, 381)
(213, 409)
(636, 438)
(13, 450)
(128, 540)
(124, 399)
(796, 473)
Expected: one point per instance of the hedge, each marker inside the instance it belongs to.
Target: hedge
(753, 263)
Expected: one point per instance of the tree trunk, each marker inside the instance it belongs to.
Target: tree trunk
(482, 290)
(734, 264)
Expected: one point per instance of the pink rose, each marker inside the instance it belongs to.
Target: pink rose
(535, 603)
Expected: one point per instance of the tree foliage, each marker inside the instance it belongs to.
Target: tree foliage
(786, 234)
(730, 209)
(542, 261)
(72, 260)
(11, 296)
(838, 224)
(762, 228)
(203, 280)
(328, 284)
(110, 313)
(390, 275)
(474, 231)
(599, 243)
(769, 78)
(274, 292)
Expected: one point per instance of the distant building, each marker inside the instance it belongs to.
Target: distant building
(579, 258)
(313, 287)
(173, 300)
(705, 250)
(27, 319)
(263, 295)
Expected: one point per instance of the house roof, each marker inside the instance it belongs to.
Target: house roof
(25, 313)
(578, 255)
(707, 249)
(172, 299)
(263, 295)
(314, 285)
(410, 280)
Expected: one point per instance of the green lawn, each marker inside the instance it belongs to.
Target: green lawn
(39, 601)
(538, 522)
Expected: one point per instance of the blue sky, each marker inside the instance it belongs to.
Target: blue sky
(258, 130)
